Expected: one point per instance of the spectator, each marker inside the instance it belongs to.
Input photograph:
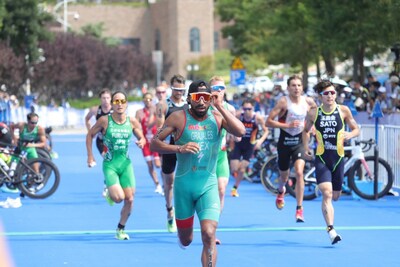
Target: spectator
(236, 102)
(373, 93)
(395, 95)
(384, 101)
(361, 96)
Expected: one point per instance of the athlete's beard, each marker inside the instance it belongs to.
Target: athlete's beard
(198, 114)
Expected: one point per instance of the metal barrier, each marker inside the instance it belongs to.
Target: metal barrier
(388, 145)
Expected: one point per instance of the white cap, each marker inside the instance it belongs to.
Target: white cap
(347, 89)
(382, 89)
(394, 79)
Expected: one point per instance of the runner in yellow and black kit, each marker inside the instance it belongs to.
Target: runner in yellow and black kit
(329, 120)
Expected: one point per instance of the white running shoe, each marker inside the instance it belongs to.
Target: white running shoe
(14, 203)
(159, 190)
(335, 238)
(105, 190)
(4, 204)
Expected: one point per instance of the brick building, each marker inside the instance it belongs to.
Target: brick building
(180, 30)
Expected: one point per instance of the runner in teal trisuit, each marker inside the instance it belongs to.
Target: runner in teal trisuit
(117, 130)
(197, 134)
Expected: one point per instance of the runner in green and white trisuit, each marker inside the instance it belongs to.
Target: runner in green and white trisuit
(117, 130)
(197, 142)
(217, 84)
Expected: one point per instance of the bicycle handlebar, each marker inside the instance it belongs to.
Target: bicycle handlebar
(367, 144)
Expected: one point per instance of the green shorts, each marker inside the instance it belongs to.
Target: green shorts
(119, 171)
(31, 152)
(223, 165)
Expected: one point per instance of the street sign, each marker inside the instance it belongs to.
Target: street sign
(237, 64)
(238, 77)
(377, 111)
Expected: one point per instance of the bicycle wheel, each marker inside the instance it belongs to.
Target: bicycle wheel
(43, 153)
(310, 182)
(362, 182)
(38, 184)
(270, 175)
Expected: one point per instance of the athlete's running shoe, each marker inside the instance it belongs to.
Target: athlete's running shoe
(5, 189)
(121, 235)
(109, 200)
(335, 238)
(234, 192)
(105, 190)
(299, 215)
(217, 241)
(171, 225)
(159, 190)
(14, 203)
(280, 200)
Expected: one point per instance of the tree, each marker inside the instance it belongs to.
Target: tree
(23, 27)
(300, 32)
(12, 69)
(76, 64)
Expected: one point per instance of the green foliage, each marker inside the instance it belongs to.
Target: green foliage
(96, 31)
(300, 32)
(23, 27)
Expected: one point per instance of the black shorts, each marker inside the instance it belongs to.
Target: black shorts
(242, 151)
(287, 153)
(169, 161)
(100, 145)
(325, 172)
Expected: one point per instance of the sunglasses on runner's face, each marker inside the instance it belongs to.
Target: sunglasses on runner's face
(218, 87)
(161, 92)
(119, 101)
(178, 88)
(247, 109)
(33, 122)
(328, 93)
(197, 96)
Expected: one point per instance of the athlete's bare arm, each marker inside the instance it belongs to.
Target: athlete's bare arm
(311, 103)
(160, 113)
(92, 112)
(309, 123)
(277, 111)
(348, 118)
(261, 122)
(100, 125)
(138, 132)
(174, 124)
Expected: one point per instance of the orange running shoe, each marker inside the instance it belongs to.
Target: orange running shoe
(280, 201)
(234, 192)
(299, 215)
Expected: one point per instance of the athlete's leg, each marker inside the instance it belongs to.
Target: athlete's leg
(282, 180)
(128, 205)
(327, 207)
(240, 172)
(152, 171)
(299, 168)
(222, 184)
(209, 253)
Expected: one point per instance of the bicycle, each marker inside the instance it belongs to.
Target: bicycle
(358, 169)
(34, 184)
(267, 149)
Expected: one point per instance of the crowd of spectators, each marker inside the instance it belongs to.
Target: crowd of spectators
(362, 97)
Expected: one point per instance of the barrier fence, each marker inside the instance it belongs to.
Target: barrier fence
(388, 133)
